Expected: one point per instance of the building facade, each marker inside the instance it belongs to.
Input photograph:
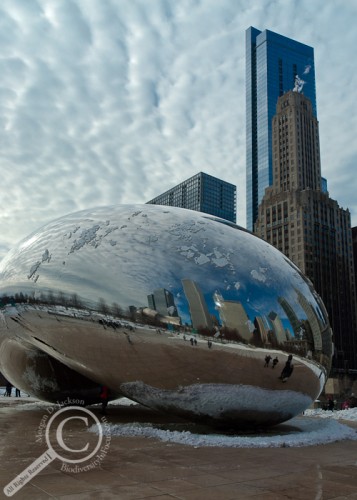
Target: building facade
(354, 244)
(233, 316)
(274, 65)
(162, 301)
(302, 221)
(200, 316)
(202, 193)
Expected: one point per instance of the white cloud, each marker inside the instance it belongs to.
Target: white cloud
(117, 101)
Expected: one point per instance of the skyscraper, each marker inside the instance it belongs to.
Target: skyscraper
(163, 302)
(354, 246)
(301, 220)
(203, 193)
(234, 316)
(278, 327)
(272, 65)
(200, 315)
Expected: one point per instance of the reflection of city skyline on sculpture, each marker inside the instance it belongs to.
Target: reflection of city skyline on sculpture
(273, 329)
(301, 334)
(177, 271)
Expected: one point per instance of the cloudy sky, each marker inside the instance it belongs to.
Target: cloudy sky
(115, 101)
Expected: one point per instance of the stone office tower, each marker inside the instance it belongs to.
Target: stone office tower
(300, 219)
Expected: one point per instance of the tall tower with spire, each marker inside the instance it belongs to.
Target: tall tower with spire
(300, 219)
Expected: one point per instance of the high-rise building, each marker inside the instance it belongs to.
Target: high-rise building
(202, 193)
(234, 316)
(303, 222)
(278, 328)
(354, 246)
(274, 65)
(263, 329)
(291, 315)
(163, 302)
(200, 315)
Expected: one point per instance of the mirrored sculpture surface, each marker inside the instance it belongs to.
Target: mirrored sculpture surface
(175, 309)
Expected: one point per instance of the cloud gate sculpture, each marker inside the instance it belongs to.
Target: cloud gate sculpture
(177, 310)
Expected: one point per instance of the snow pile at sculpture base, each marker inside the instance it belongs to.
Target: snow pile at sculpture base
(306, 430)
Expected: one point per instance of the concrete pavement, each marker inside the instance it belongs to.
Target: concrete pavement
(136, 468)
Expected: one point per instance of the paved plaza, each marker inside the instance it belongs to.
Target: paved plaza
(139, 467)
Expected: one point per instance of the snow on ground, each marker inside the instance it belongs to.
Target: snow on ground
(123, 402)
(305, 430)
(350, 414)
(313, 428)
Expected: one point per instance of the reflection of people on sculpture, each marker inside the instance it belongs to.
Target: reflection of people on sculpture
(267, 360)
(8, 389)
(275, 361)
(287, 370)
(104, 396)
(330, 404)
(346, 405)
(209, 342)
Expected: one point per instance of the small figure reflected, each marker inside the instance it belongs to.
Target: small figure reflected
(275, 361)
(195, 341)
(267, 360)
(209, 343)
(287, 370)
(191, 340)
(346, 405)
(104, 396)
(8, 390)
(17, 393)
(330, 404)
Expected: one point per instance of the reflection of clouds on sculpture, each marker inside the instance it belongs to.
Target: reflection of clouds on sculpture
(122, 254)
(259, 275)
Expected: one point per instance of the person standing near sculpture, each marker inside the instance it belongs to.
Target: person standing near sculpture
(287, 370)
(104, 396)
(267, 360)
(8, 389)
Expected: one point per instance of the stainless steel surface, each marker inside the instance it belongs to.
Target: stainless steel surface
(172, 308)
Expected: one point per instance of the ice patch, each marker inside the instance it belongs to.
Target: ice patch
(307, 432)
(221, 262)
(216, 399)
(259, 275)
(350, 414)
(201, 259)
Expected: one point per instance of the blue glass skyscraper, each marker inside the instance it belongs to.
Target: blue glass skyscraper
(272, 64)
